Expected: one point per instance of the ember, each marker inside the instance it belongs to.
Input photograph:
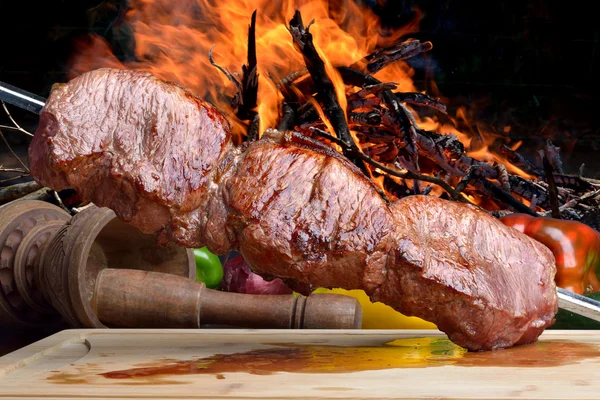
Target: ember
(341, 80)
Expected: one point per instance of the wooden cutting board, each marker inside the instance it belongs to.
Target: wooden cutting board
(278, 364)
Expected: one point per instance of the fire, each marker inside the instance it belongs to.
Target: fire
(479, 140)
(173, 39)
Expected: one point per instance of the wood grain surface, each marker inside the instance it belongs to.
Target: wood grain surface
(287, 364)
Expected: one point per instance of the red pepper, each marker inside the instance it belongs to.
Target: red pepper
(576, 247)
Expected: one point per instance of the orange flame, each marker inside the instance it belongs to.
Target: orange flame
(173, 39)
(478, 141)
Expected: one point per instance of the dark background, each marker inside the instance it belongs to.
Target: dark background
(530, 64)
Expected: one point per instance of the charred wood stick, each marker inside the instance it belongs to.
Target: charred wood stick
(576, 201)
(448, 152)
(520, 161)
(563, 193)
(354, 103)
(374, 89)
(14, 192)
(382, 133)
(448, 147)
(552, 153)
(391, 154)
(574, 182)
(287, 80)
(246, 97)
(406, 174)
(449, 142)
(308, 113)
(503, 177)
(390, 143)
(427, 190)
(408, 48)
(457, 164)
(291, 94)
(382, 152)
(421, 100)
(384, 57)
(551, 186)
(466, 179)
(237, 99)
(374, 61)
(529, 190)
(533, 202)
(416, 187)
(402, 162)
(400, 117)
(365, 118)
(591, 181)
(403, 120)
(249, 84)
(435, 151)
(253, 131)
(505, 197)
(409, 115)
(325, 89)
(287, 118)
(422, 142)
(398, 189)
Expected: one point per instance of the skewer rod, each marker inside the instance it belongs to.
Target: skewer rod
(578, 304)
(21, 98)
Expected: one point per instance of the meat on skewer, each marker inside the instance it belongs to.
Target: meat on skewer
(163, 160)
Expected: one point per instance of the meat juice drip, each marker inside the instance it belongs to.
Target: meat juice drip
(401, 353)
(300, 358)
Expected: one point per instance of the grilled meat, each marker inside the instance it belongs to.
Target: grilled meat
(163, 160)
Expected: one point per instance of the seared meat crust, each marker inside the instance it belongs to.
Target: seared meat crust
(163, 160)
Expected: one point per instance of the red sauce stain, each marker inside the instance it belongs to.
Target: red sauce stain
(67, 379)
(403, 353)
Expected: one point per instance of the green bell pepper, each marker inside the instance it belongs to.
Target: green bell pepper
(209, 269)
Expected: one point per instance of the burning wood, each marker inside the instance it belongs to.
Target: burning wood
(326, 92)
(387, 141)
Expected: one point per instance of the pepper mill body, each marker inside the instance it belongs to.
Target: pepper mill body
(93, 270)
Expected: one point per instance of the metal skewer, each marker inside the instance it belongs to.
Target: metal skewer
(567, 300)
(21, 98)
(578, 304)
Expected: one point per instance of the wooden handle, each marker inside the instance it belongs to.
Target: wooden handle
(143, 299)
(317, 311)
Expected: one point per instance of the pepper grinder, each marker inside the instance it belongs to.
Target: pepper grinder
(95, 271)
